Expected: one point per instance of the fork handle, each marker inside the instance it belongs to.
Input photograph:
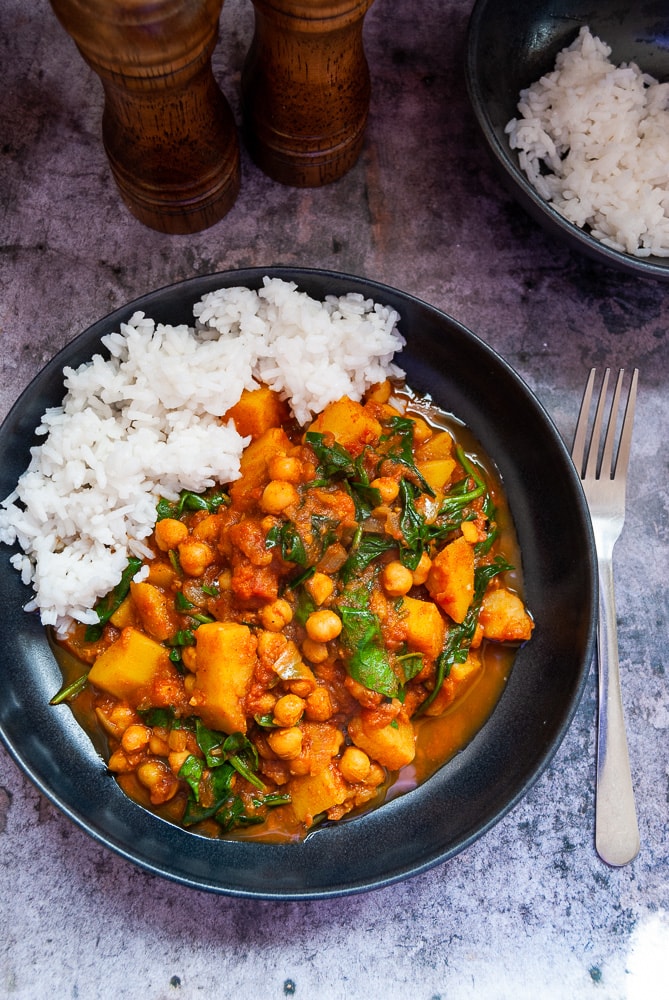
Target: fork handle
(616, 827)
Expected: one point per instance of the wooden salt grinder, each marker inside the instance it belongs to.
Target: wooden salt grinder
(306, 89)
(167, 129)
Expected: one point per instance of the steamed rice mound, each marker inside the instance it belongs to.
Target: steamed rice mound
(144, 422)
(593, 139)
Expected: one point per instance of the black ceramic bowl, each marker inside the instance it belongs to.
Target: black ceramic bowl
(512, 43)
(467, 796)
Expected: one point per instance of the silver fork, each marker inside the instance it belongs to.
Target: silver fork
(616, 826)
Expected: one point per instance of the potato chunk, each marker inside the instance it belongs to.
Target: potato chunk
(451, 578)
(130, 665)
(225, 658)
(257, 411)
(350, 423)
(153, 610)
(392, 746)
(313, 794)
(437, 472)
(440, 445)
(503, 617)
(425, 626)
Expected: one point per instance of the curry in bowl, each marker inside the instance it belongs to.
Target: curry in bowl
(325, 631)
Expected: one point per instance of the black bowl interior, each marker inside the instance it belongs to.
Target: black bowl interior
(472, 792)
(511, 43)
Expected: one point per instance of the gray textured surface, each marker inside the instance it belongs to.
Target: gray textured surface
(529, 910)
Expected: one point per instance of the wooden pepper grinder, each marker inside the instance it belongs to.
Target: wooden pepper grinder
(305, 89)
(168, 132)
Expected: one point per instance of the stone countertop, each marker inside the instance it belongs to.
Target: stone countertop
(528, 910)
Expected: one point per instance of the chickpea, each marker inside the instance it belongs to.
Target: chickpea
(315, 652)
(422, 570)
(117, 721)
(225, 580)
(189, 683)
(286, 743)
(319, 706)
(387, 487)
(275, 616)
(158, 779)
(135, 738)
(376, 775)
(188, 658)
(319, 587)
(170, 533)
(194, 557)
(288, 710)
(354, 765)
(285, 468)
(422, 431)
(322, 626)
(302, 687)
(278, 495)
(309, 471)
(264, 704)
(207, 529)
(119, 763)
(177, 739)
(396, 579)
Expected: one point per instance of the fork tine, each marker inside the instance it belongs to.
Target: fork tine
(591, 465)
(622, 461)
(578, 448)
(608, 464)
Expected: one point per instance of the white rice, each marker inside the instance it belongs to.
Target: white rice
(593, 139)
(145, 423)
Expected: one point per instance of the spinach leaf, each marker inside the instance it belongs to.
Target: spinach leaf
(304, 607)
(192, 771)
(109, 604)
(366, 660)
(273, 799)
(224, 756)
(237, 750)
(68, 692)
(335, 463)
(184, 637)
(165, 718)
(461, 494)
(191, 501)
(415, 529)
(364, 550)
(411, 664)
(324, 529)
(490, 512)
(401, 428)
(287, 538)
(187, 607)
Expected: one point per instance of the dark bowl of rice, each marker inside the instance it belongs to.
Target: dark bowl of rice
(573, 103)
